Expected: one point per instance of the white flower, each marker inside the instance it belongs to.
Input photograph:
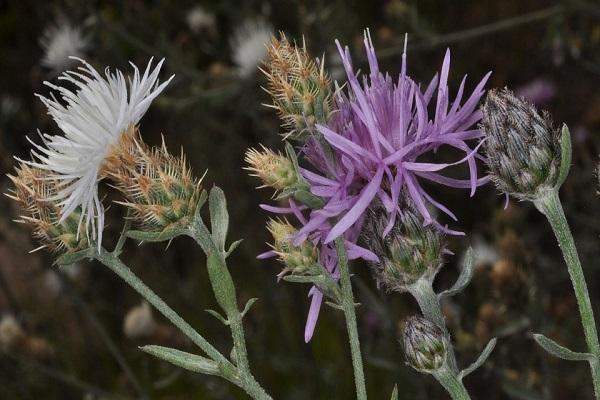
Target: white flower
(139, 322)
(248, 45)
(60, 42)
(93, 118)
(199, 20)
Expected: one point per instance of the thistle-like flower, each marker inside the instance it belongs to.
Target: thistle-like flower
(300, 89)
(299, 260)
(424, 345)
(158, 187)
(93, 118)
(61, 42)
(522, 147)
(33, 190)
(408, 253)
(378, 134)
(248, 45)
(273, 169)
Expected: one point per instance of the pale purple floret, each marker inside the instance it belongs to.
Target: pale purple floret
(377, 136)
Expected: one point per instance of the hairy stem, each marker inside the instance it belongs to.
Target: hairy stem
(350, 315)
(450, 381)
(551, 207)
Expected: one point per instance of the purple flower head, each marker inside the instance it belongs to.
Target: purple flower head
(377, 136)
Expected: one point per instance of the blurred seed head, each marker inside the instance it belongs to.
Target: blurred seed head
(139, 322)
(34, 189)
(522, 147)
(11, 332)
(424, 344)
(201, 21)
(274, 169)
(61, 41)
(159, 188)
(300, 89)
(248, 45)
(409, 252)
(298, 260)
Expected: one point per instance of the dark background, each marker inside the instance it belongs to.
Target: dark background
(521, 285)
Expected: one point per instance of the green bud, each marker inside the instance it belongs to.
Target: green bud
(424, 345)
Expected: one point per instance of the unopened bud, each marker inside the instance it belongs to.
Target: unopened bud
(34, 189)
(299, 260)
(301, 90)
(424, 345)
(522, 147)
(139, 322)
(409, 252)
(158, 186)
(275, 170)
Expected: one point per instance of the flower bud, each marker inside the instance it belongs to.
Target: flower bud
(158, 186)
(424, 344)
(34, 189)
(409, 252)
(522, 147)
(301, 91)
(299, 260)
(275, 170)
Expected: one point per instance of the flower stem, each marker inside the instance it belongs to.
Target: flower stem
(350, 315)
(431, 309)
(450, 381)
(551, 207)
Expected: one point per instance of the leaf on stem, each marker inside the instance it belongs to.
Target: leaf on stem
(232, 247)
(560, 351)
(466, 274)
(565, 155)
(184, 360)
(249, 304)
(480, 360)
(156, 236)
(72, 258)
(394, 393)
(218, 316)
(219, 217)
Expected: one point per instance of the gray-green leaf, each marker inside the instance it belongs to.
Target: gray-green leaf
(565, 155)
(560, 351)
(466, 274)
(72, 258)
(156, 236)
(184, 360)
(480, 360)
(219, 217)
(394, 393)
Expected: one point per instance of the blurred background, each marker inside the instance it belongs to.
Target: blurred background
(73, 333)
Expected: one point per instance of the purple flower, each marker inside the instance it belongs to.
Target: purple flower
(381, 129)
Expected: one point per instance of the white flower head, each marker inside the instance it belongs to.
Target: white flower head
(61, 42)
(198, 20)
(248, 45)
(93, 117)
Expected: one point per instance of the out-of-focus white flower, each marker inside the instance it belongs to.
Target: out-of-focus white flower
(139, 322)
(248, 45)
(10, 331)
(200, 20)
(61, 42)
(93, 117)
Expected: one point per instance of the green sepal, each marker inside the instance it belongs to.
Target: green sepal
(565, 155)
(191, 362)
(72, 258)
(480, 360)
(307, 198)
(560, 351)
(465, 276)
(218, 316)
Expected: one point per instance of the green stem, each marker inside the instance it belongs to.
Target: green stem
(550, 206)
(453, 385)
(429, 304)
(349, 313)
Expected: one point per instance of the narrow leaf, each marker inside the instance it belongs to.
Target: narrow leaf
(249, 304)
(232, 247)
(565, 155)
(218, 316)
(72, 258)
(219, 217)
(466, 274)
(184, 360)
(222, 284)
(559, 351)
(156, 236)
(394, 393)
(480, 360)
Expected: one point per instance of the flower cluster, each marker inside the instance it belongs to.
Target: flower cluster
(364, 146)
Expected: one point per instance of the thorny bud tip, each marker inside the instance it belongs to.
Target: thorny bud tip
(299, 86)
(299, 260)
(523, 149)
(274, 170)
(424, 344)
